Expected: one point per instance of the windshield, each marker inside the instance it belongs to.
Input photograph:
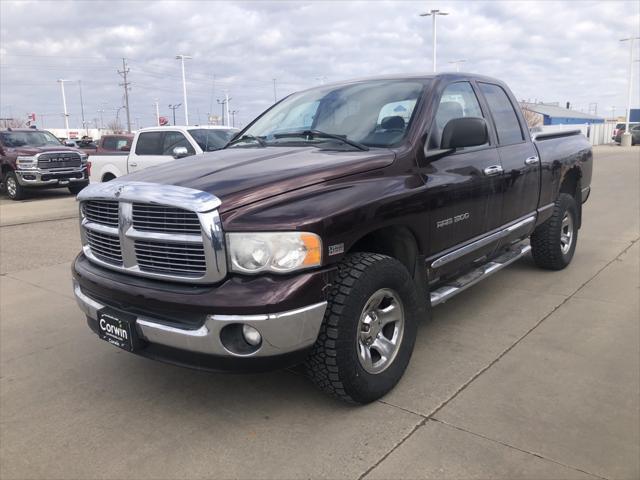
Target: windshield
(212, 139)
(375, 113)
(29, 139)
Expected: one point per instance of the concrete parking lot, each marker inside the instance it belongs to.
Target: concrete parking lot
(530, 374)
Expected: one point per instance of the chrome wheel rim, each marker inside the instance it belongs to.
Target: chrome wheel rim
(12, 188)
(380, 331)
(566, 233)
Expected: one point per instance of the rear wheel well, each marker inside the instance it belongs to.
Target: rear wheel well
(397, 242)
(108, 177)
(571, 185)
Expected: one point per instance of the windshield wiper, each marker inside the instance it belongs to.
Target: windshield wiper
(244, 138)
(311, 134)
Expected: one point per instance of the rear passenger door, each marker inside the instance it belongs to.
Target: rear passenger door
(518, 155)
(155, 148)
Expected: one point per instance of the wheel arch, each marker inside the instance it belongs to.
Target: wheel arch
(571, 185)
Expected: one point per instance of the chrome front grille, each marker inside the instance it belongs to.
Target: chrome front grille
(104, 246)
(104, 212)
(59, 160)
(160, 218)
(157, 231)
(179, 258)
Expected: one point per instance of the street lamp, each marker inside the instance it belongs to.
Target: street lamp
(64, 105)
(182, 58)
(433, 14)
(458, 63)
(625, 140)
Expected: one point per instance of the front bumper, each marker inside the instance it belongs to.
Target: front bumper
(284, 334)
(61, 177)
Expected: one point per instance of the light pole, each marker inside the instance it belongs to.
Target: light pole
(625, 141)
(64, 105)
(174, 107)
(433, 14)
(182, 58)
(458, 63)
(222, 104)
(84, 125)
(233, 117)
(157, 112)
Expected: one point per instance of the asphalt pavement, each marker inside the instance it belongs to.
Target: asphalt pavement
(529, 374)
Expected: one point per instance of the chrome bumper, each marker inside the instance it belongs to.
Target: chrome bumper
(33, 178)
(281, 333)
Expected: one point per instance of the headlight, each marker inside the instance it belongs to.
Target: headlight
(84, 157)
(26, 163)
(280, 252)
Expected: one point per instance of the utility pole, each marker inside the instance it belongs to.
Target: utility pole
(174, 107)
(233, 117)
(458, 63)
(182, 58)
(157, 112)
(227, 99)
(625, 141)
(101, 111)
(125, 84)
(64, 105)
(433, 14)
(222, 105)
(84, 125)
(275, 96)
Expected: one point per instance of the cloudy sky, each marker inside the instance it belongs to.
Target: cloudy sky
(549, 51)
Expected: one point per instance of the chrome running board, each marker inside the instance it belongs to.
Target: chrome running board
(455, 286)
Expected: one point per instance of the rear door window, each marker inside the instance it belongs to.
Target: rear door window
(504, 115)
(150, 143)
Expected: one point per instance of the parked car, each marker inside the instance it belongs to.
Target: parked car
(328, 228)
(635, 134)
(157, 145)
(115, 143)
(86, 144)
(620, 129)
(32, 159)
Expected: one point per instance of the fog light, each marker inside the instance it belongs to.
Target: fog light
(251, 335)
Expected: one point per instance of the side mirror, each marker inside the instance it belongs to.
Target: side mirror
(464, 132)
(125, 148)
(180, 152)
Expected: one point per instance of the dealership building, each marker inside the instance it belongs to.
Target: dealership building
(554, 114)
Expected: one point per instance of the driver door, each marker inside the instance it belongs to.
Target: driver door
(463, 198)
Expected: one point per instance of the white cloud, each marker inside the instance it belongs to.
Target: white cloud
(552, 51)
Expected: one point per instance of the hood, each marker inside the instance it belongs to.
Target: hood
(26, 150)
(240, 176)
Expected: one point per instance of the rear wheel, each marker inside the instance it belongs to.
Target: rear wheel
(14, 190)
(553, 243)
(369, 329)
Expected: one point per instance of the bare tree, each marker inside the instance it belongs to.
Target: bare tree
(13, 123)
(115, 126)
(532, 118)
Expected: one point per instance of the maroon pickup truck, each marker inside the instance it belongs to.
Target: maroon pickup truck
(32, 159)
(328, 228)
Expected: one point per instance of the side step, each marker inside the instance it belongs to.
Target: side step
(454, 287)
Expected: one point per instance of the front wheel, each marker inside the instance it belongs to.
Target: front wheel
(369, 329)
(553, 243)
(14, 190)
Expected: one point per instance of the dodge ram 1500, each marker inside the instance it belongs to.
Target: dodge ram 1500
(328, 228)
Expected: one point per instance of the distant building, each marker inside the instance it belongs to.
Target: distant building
(552, 114)
(635, 115)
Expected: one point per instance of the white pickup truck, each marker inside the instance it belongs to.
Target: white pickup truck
(156, 145)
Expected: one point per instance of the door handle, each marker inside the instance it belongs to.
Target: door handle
(133, 164)
(493, 170)
(531, 160)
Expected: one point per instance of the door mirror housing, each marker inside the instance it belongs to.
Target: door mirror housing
(180, 152)
(464, 132)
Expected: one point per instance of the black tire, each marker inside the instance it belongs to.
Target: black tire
(334, 363)
(77, 188)
(548, 245)
(14, 190)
